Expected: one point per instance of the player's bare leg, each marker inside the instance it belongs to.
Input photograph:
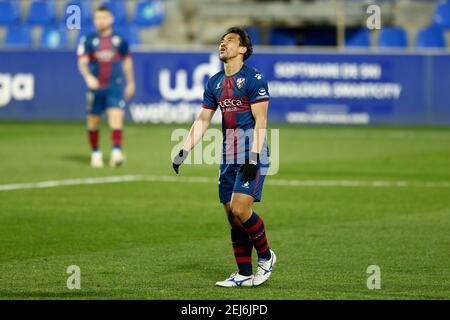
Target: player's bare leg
(115, 121)
(93, 125)
(241, 207)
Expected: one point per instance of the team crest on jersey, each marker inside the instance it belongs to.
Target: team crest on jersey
(116, 41)
(240, 82)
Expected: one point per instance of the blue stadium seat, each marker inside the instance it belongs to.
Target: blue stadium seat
(118, 10)
(130, 32)
(442, 15)
(86, 29)
(431, 37)
(254, 34)
(282, 37)
(359, 37)
(18, 36)
(9, 12)
(54, 38)
(149, 13)
(393, 37)
(42, 12)
(85, 8)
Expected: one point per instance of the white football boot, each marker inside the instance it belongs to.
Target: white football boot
(236, 280)
(96, 159)
(117, 158)
(264, 269)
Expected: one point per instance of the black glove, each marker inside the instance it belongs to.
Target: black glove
(249, 170)
(178, 160)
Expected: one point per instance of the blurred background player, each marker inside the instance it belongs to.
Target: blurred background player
(103, 60)
(242, 94)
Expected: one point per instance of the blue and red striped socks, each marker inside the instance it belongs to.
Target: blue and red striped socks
(116, 138)
(254, 227)
(242, 247)
(93, 139)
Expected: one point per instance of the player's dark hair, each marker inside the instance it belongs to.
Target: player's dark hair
(103, 8)
(244, 39)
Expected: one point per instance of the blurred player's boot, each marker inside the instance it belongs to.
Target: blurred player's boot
(264, 269)
(96, 159)
(117, 158)
(236, 280)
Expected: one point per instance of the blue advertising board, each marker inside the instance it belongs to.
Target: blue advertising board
(344, 88)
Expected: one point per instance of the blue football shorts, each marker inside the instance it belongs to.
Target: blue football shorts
(100, 100)
(230, 182)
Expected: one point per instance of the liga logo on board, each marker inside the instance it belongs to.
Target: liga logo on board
(18, 87)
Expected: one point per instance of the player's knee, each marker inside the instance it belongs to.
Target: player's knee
(239, 210)
(93, 122)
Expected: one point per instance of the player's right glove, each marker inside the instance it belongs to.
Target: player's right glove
(249, 169)
(179, 158)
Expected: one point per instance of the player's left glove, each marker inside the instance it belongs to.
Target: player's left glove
(179, 158)
(249, 169)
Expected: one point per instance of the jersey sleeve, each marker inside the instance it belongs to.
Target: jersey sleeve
(258, 90)
(84, 47)
(209, 101)
(124, 48)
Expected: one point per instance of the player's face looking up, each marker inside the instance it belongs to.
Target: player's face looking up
(230, 47)
(103, 20)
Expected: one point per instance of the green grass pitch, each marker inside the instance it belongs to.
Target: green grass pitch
(168, 240)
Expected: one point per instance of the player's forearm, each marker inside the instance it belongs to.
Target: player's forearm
(259, 135)
(196, 133)
(128, 70)
(83, 68)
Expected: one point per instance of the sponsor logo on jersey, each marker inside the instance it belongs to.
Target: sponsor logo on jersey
(262, 92)
(229, 103)
(104, 55)
(258, 76)
(218, 86)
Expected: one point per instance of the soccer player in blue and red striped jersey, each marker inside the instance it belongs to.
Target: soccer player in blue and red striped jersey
(242, 94)
(103, 61)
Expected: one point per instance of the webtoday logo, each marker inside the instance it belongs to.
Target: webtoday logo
(234, 147)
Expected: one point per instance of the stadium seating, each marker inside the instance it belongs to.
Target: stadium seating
(85, 30)
(254, 34)
(130, 32)
(9, 12)
(86, 10)
(442, 15)
(18, 36)
(42, 12)
(149, 13)
(431, 37)
(54, 38)
(393, 37)
(357, 37)
(282, 37)
(118, 9)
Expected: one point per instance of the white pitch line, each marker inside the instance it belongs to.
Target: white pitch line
(181, 179)
(69, 182)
